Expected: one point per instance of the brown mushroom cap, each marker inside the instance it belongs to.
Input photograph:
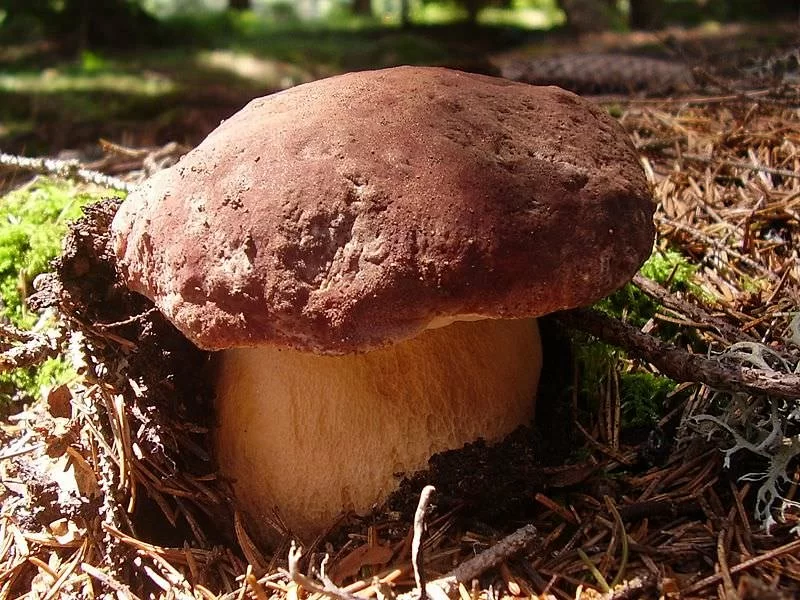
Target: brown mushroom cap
(346, 214)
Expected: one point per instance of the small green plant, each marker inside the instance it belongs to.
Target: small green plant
(670, 266)
(92, 62)
(642, 395)
(33, 221)
(643, 398)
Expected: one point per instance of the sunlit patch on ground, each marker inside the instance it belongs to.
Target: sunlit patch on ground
(56, 81)
(274, 74)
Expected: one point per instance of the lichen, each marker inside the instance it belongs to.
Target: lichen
(762, 425)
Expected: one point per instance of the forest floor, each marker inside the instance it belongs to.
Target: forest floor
(643, 478)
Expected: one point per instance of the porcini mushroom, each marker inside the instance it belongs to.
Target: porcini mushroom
(369, 253)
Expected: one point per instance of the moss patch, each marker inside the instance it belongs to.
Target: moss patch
(34, 221)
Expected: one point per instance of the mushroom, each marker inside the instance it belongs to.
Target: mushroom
(368, 253)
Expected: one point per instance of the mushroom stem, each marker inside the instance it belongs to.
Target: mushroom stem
(316, 435)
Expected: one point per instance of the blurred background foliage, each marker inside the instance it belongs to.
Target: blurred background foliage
(145, 72)
(116, 23)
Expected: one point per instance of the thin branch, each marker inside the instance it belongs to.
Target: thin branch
(679, 364)
(730, 333)
(517, 542)
(742, 566)
(9, 332)
(66, 169)
(416, 543)
(738, 165)
(326, 588)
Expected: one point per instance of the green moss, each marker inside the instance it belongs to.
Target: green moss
(643, 398)
(615, 110)
(667, 267)
(33, 221)
(23, 384)
(642, 395)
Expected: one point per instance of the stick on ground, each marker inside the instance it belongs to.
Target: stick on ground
(522, 539)
(64, 168)
(679, 364)
(416, 544)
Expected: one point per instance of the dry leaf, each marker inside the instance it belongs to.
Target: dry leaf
(59, 401)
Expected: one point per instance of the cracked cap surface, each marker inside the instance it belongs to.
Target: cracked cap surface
(348, 213)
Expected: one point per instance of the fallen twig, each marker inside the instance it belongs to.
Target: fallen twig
(679, 364)
(9, 333)
(326, 587)
(69, 169)
(728, 332)
(416, 543)
(509, 546)
(742, 566)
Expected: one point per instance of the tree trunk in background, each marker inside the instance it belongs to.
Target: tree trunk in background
(765, 9)
(584, 16)
(405, 13)
(473, 9)
(86, 24)
(780, 8)
(646, 14)
(239, 4)
(362, 7)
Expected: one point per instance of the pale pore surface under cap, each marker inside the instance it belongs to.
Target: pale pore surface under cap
(315, 435)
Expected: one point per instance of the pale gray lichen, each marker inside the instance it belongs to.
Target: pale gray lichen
(763, 425)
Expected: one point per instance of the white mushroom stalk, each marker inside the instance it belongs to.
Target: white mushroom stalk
(316, 435)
